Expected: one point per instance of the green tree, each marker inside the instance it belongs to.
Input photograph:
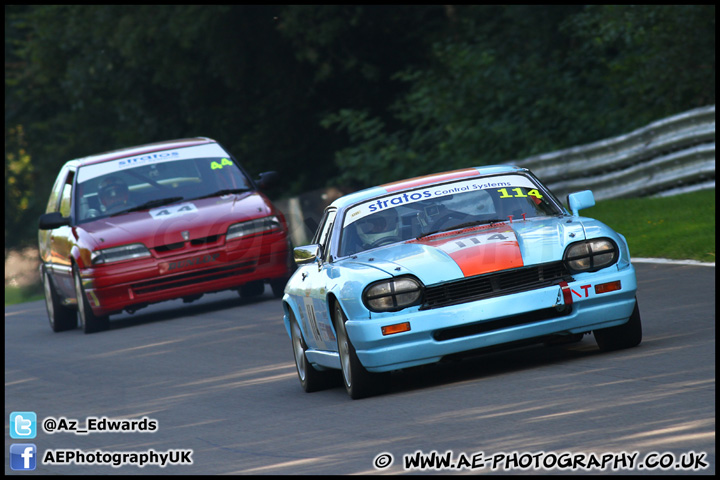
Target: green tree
(338, 94)
(511, 84)
(86, 79)
(652, 60)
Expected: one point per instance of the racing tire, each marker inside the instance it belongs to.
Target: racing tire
(626, 335)
(359, 383)
(278, 286)
(252, 289)
(61, 318)
(89, 322)
(312, 380)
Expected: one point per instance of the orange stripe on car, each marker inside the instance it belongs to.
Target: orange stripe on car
(480, 250)
(429, 179)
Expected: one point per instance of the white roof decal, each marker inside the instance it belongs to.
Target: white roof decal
(201, 151)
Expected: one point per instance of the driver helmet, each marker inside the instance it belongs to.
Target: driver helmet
(383, 224)
(112, 192)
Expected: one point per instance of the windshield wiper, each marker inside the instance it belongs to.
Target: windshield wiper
(462, 225)
(226, 191)
(152, 203)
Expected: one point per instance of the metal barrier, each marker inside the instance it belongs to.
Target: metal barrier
(671, 156)
(667, 157)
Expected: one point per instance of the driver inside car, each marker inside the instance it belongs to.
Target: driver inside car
(113, 193)
(379, 229)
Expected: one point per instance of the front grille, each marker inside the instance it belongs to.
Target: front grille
(495, 285)
(527, 318)
(193, 277)
(169, 247)
(198, 242)
(205, 241)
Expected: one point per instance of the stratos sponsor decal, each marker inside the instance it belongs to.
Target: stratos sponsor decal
(435, 191)
(477, 252)
(200, 151)
(172, 211)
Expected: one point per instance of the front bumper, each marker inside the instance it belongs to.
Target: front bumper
(133, 284)
(439, 332)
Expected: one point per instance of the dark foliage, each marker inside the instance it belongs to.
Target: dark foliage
(347, 95)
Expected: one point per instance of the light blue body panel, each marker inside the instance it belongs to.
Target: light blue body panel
(314, 289)
(417, 347)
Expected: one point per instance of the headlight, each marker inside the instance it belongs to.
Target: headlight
(590, 255)
(259, 225)
(117, 254)
(392, 295)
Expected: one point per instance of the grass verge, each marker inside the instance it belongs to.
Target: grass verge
(28, 293)
(681, 227)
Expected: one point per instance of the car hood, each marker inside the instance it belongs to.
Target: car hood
(166, 225)
(475, 251)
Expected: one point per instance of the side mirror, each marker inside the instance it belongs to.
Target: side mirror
(49, 221)
(307, 254)
(579, 200)
(267, 179)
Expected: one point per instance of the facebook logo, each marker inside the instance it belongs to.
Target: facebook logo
(22, 456)
(23, 425)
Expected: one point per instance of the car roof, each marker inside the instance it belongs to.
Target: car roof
(413, 183)
(140, 150)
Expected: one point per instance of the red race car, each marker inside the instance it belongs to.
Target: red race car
(157, 222)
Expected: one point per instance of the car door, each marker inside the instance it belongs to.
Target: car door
(315, 282)
(56, 244)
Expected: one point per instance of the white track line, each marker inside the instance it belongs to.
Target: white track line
(674, 262)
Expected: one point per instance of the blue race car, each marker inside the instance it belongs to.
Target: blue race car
(407, 273)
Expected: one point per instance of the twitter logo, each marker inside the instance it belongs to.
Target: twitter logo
(23, 425)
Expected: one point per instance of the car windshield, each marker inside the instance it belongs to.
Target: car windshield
(417, 213)
(150, 181)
